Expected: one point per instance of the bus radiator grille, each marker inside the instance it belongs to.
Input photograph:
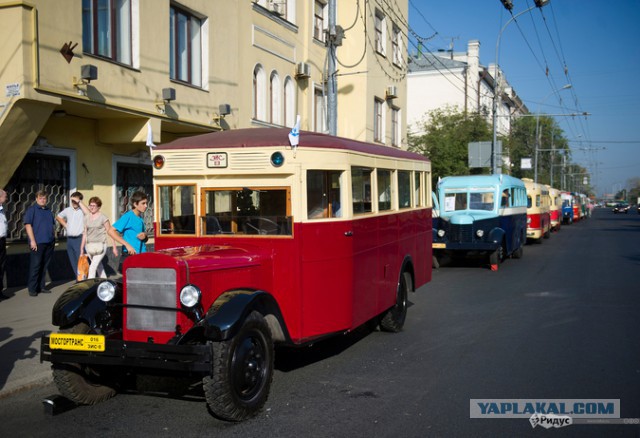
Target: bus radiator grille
(154, 289)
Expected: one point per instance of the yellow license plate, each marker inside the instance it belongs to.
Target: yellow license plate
(65, 341)
(439, 245)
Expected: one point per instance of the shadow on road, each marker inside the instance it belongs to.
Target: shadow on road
(14, 351)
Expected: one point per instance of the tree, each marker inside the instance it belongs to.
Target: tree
(445, 138)
(522, 144)
(634, 189)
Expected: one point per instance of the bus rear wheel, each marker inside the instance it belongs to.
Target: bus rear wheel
(242, 372)
(393, 319)
(517, 254)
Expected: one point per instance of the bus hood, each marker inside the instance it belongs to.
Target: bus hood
(202, 257)
(469, 217)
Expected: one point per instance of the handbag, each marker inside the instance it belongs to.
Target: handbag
(94, 248)
(83, 267)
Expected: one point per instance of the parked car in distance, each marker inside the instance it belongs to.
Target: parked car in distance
(621, 207)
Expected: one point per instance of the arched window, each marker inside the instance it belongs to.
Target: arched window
(259, 93)
(275, 98)
(289, 102)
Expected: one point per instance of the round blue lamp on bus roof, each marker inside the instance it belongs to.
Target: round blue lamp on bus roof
(277, 159)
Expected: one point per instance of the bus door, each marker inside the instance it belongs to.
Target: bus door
(326, 245)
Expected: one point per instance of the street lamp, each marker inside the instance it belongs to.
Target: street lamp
(509, 6)
(565, 87)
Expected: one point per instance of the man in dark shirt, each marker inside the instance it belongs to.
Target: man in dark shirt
(39, 223)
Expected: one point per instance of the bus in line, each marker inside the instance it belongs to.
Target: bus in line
(538, 210)
(481, 214)
(555, 208)
(257, 243)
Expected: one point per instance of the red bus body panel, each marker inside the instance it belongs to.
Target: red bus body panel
(332, 277)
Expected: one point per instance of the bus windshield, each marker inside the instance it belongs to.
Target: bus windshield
(476, 200)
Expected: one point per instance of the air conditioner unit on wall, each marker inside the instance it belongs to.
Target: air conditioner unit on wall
(303, 70)
(392, 92)
(275, 6)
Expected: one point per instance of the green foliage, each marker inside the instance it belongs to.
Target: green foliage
(445, 140)
(634, 190)
(522, 144)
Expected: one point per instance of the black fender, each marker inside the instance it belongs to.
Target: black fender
(407, 266)
(79, 303)
(227, 314)
(496, 236)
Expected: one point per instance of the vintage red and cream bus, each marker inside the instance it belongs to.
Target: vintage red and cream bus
(257, 244)
(555, 208)
(538, 210)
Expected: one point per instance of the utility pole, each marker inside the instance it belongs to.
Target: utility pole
(332, 93)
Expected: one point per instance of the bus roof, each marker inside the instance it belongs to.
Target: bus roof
(480, 180)
(269, 137)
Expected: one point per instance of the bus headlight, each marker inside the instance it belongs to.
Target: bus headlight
(528, 221)
(480, 233)
(106, 291)
(189, 296)
(440, 233)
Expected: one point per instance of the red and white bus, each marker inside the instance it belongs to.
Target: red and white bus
(538, 210)
(555, 212)
(257, 243)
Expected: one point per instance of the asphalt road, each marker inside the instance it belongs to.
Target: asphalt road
(561, 323)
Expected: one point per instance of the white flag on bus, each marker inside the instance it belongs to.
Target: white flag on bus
(294, 135)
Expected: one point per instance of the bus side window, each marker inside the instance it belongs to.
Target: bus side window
(323, 194)
(505, 198)
(361, 189)
(404, 189)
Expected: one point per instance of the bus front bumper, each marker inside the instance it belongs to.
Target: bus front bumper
(466, 246)
(185, 358)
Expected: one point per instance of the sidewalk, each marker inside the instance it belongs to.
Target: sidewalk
(23, 320)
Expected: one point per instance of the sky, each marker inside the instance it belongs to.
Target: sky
(597, 40)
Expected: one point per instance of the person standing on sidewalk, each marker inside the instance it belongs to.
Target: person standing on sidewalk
(129, 229)
(94, 238)
(72, 220)
(3, 242)
(39, 223)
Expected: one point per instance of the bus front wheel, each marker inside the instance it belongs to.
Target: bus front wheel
(242, 371)
(497, 256)
(80, 383)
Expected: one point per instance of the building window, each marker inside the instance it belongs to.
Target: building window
(319, 20)
(259, 93)
(320, 106)
(51, 173)
(285, 9)
(396, 46)
(289, 103)
(185, 45)
(276, 99)
(395, 127)
(378, 123)
(132, 177)
(106, 29)
(380, 32)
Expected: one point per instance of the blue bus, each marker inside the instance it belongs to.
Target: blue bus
(484, 214)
